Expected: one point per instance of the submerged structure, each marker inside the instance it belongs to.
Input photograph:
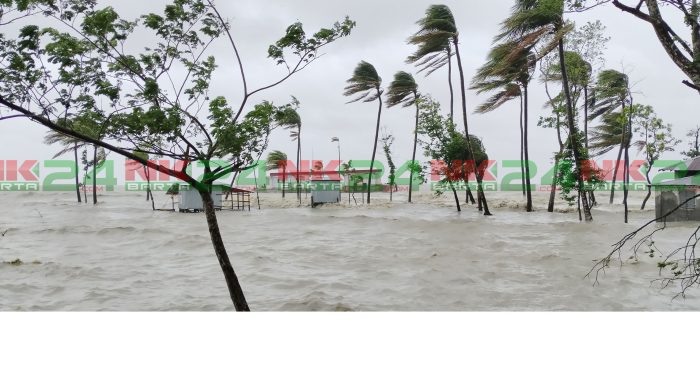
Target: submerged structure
(190, 201)
(677, 196)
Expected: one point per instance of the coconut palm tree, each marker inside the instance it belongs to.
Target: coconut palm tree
(508, 71)
(541, 23)
(366, 84)
(288, 118)
(610, 94)
(439, 22)
(68, 144)
(277, 160)
(434, 49)
(613, 132)
(404, 90)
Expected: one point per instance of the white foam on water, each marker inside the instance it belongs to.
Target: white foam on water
(388, 256)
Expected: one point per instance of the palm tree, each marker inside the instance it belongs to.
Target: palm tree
(541, 23)
(289, 118)
(613, 131)
(404, 90)
(367, 85)
(434, 49)
(68, 144)
(275, 161)
(611, 92)
(439, 24)
(508, 71)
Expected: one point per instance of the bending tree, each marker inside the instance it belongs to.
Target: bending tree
(434, 49)
(84, 64)
(404, 90)
(277, 160)
(508, 71)
(366, 84)
(289, 118)
(612, 93)
(68, 144)
(541, 23)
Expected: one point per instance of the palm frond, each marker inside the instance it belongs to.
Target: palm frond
(365, 81)
(402, 90)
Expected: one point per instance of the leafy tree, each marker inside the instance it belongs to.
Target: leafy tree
(656, 139)
(83, 65)
(277, 160)
(404, 90)
(682, 49)
(449, 148)
(694, 144)
(366, 85)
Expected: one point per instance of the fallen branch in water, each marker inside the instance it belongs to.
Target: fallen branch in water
(685, 269)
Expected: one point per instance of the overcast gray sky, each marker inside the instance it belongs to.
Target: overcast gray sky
(380, 36)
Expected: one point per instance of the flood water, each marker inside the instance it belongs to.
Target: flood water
(120, 256)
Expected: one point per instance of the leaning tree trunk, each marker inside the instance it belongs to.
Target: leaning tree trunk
(573, 134)
(585, 137)
(94, 175)
(526, 150)
(454, 191)
(553, 190)
(413, 159)
(644, 204)
(374, 151)
(483, 205)
(234, 286)
(77, 170)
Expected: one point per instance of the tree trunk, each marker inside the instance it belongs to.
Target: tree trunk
(615, 171)
(284, 180)
(234, 286)
(449, 80)
(77, 170)
(415, 149)
(374, 151)
(553, 190)
(627, 182)
(644, 204)
(454, 192)
(483, 205)
(573, 134)
(522, 148)
(591, 194)
(94, 176)
(299, 163)
(149, 194)
(526, 150)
